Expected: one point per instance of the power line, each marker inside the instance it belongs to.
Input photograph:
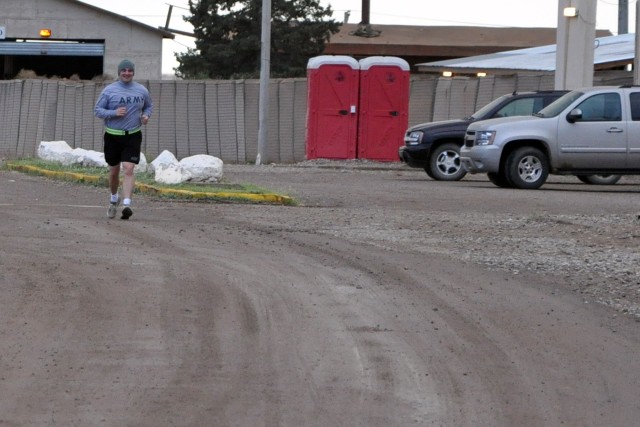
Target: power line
(422, 19)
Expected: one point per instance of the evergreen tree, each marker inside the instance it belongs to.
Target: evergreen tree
(228, 36)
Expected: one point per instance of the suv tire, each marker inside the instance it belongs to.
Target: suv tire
(444, 163)
(499, 179)
(527, 168)
(599, 179)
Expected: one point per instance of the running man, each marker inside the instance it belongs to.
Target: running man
(125, 106)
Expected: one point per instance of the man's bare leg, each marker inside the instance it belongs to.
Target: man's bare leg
(114, 183)
(128, 184)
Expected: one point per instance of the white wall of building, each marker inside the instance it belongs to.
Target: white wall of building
(73, 20)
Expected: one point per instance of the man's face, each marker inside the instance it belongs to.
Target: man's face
(126, 75)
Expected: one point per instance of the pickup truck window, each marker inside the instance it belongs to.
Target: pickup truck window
(603, 107)
(634, 99)
(560, 104)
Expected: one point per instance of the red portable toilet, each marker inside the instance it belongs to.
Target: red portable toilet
(332, 120)
(384, 107)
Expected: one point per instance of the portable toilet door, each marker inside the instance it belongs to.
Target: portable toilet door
(384, 107)
(332, 97)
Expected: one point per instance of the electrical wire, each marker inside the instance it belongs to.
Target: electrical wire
(616, 3)
(422, 19)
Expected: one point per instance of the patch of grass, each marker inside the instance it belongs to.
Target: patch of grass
(145, 183)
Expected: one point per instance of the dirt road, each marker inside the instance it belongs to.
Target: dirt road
(383, 299)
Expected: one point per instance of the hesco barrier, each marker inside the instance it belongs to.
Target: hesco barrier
(217, 117)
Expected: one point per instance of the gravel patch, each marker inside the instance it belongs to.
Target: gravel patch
(597, 256)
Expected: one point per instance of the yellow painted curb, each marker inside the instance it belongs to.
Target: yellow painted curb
(55, 174)
(272, 198)
(150, 189)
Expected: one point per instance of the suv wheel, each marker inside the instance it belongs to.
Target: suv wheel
(444, 163)
(527, 168)
(599, 179)
(499, 179)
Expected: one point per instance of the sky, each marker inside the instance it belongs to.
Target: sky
(490, 13)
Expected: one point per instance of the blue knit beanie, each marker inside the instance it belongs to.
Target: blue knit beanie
(125, 63)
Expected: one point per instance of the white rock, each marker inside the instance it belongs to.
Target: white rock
(89, 158)
(203, 168)
(165, 158)
(142, 165)
(167, 169)
(171, 173)
(56, 151)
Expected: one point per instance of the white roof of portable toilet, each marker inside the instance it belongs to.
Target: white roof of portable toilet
(318, 61)
(367, 63)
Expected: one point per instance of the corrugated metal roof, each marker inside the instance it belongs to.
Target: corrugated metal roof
(612, 50)
(51, 48)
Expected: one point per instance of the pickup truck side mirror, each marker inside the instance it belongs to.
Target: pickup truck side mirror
(574, 115)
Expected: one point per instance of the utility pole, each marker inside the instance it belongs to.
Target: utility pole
(366, 13)
(636, 59)
(575, 39)
(623, 17)
(171, 30)
(364, 27)
(265, 72)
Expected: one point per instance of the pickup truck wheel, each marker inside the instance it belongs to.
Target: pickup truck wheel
(499, 179)
(444, 163)
(599, 179)
(527, 168)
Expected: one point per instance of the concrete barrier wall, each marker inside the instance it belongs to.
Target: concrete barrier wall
(218, 117)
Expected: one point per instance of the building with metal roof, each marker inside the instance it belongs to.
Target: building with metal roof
(610, 53)
(424, 44)
(68, 37)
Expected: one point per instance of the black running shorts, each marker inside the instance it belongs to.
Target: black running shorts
(122, 148)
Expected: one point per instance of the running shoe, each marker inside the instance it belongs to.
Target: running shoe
(113, 208)
(126, 213)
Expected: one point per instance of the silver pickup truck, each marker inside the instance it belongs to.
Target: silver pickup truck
(593, 133)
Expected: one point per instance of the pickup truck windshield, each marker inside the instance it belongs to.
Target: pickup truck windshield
(557, 106)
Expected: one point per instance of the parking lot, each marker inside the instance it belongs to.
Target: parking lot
(384, 298)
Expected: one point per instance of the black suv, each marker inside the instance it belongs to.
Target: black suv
(435, 146)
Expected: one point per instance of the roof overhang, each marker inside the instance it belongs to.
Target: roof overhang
(435, 41)
(50, 48)
(609, 52)
(165, 34)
